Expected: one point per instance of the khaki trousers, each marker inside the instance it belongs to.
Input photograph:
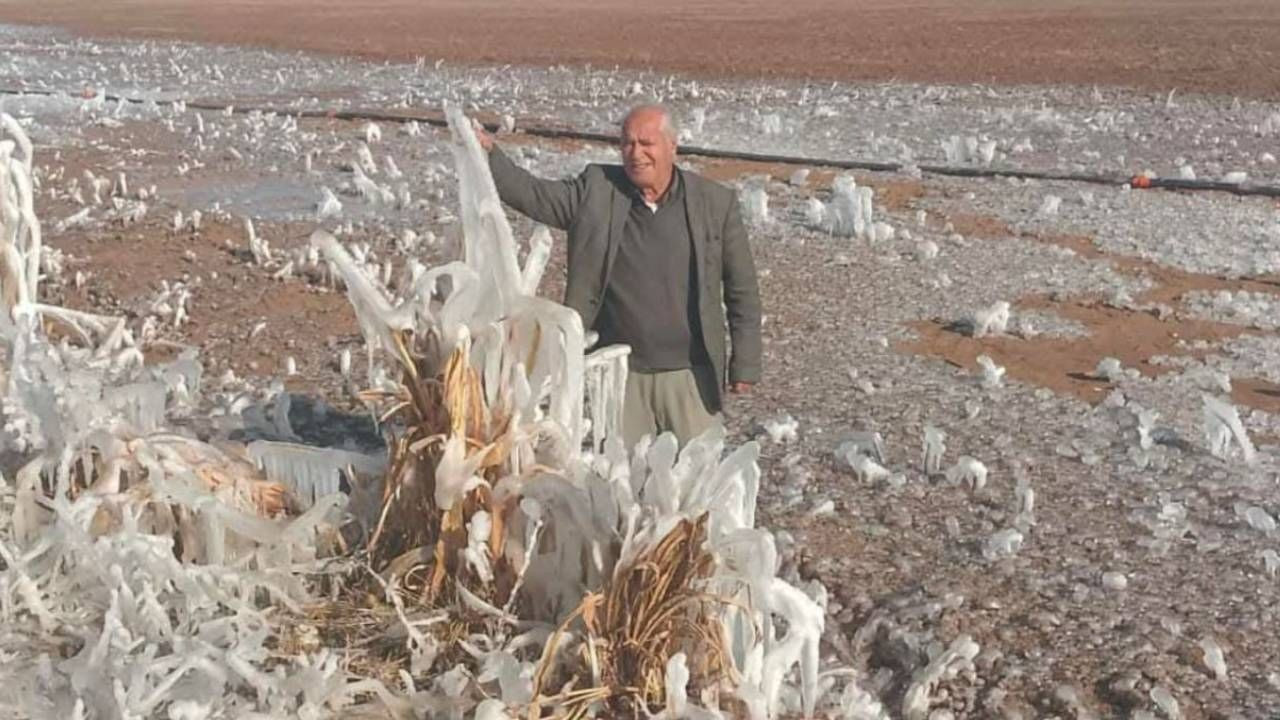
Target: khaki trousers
(667, 401)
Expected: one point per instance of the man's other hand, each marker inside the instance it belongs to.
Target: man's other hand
(740, 388)
(486, 140)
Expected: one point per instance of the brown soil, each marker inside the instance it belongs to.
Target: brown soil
(1135, 337)
(1226, 46)
(892, 194)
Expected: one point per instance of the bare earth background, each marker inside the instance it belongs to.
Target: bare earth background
(1226, 46)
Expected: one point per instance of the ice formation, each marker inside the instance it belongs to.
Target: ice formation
(176, 565)
(992, 320)
(147, 551)
(849, 213)
(1214, 661)
(755, 204)
(782, 429)
(969, 471)
(1222, 426)
(992, 374)
(968, 149)
(935, 446)
(918, 699)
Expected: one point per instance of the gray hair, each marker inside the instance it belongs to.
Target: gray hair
(669, 127)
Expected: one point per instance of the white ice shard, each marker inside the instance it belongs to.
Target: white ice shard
(934, 448)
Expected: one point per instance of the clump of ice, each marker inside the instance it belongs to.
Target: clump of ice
(968, 471)
(991, 320)
(755, 204)
(1002, 544)
(782, 429)
(849, 213)
(992, 374)
(1214, 661)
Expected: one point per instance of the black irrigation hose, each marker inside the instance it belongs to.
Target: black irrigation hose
(1242, 189)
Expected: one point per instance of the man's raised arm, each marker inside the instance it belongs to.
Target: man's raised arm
(550, 202)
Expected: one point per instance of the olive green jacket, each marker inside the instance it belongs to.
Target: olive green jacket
(593, 209)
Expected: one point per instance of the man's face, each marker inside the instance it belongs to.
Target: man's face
(648, 155)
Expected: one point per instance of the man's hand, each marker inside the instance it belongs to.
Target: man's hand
(740, 388)
(486, 140)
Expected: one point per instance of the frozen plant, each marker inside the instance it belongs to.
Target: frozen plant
(992, 320)
(1259, 519)
(1024, 498)
(926, 250)
(1002, 544)
(919, 697)
(992, 374)
(259, 248)
(1115, 581)
(970, 471)
(935, 446)
(755, 205)
(865, 468)
(848, 214)
(1214, 661)
(782, 429)
(329, 206)
(1270, 562)
(1167, 703)
(1221, 426)
(1110, 369)
(1146, 424)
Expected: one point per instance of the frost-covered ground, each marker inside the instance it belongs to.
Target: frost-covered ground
(1104, 542)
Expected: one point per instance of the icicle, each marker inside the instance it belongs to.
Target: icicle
(310, 472)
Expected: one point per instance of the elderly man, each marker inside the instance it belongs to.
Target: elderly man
(658, 259)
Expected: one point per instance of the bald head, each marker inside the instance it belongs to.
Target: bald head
(648, 145)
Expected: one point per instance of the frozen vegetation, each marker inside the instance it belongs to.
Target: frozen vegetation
(979, 537)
